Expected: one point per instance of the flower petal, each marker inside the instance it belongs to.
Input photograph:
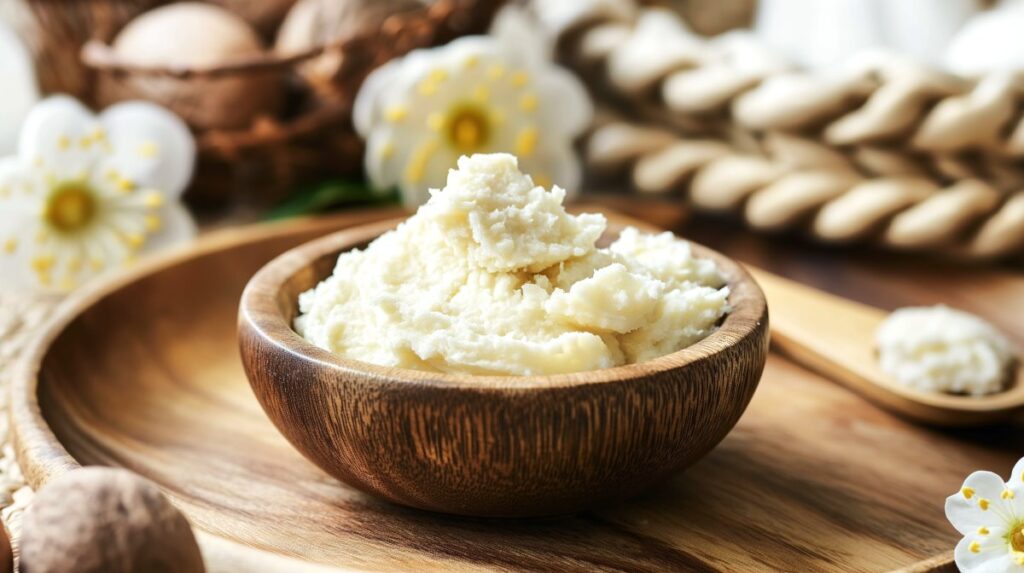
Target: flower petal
(366, 108)
(983, 556)
(565, 105)
(514, 28)
(152, 146)
(980, 502)
(555, 164)
(20, 90)
(1017, 474)
(19, 223)
(177, 228)
(58, 135)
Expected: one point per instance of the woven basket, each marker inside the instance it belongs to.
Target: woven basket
(303, 134)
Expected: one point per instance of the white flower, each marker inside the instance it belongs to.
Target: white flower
(19, 91)
(86, 194)
(989, 513)
(479, 94)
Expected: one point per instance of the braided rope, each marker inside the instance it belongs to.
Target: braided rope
(891, 150)
(836, 203)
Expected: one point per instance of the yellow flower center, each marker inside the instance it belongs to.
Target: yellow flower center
(1016, 536)
(468, 128)
(70, 207)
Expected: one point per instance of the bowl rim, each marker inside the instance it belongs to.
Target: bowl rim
(259, 313)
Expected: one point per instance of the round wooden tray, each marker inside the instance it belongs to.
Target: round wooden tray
(143, 372)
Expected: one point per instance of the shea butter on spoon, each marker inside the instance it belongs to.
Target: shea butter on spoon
(940, 349)
(493, 276)
(848, 342)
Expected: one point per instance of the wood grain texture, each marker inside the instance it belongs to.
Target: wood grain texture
(812, 478)
(836, 336)
(495, 446)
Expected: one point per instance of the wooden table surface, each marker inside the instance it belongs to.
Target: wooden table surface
(813, 478)
(903, 459)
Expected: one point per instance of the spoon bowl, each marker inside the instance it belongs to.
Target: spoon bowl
(835, 336)
(507, 446)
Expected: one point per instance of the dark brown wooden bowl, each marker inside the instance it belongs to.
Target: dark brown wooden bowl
(503, 446)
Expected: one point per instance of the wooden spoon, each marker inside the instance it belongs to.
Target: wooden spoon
(836, 337)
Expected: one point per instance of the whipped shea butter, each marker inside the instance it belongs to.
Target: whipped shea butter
(492, 276)
(940, 349)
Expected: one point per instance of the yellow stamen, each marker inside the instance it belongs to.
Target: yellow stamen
(418, 165)
(395, 113)
(10, 245)
(471, 62)
(42, 264)
(1007, 494)
(427, 88)
(149, 150)
(519, 79)
(153, 223)
(133, 240)
(495, 72)
(968, 492)
(528, 102)
(526, 142)
(42, 236)
(435, 121)
(153, 199)
(67, 283)
(63, 143)
(983, 503)
(74, 265)
(481, 94)
(975, 547)
(97, 264)
(125, 185)
(438, 75)
(983, 530)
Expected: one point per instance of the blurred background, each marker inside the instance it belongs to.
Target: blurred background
(696, 103)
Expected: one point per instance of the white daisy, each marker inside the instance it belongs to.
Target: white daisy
(989, 513)
(479, 94)
(86, 194)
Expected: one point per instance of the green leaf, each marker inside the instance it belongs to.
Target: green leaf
(328, 196)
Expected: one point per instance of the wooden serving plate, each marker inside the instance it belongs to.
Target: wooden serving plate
(143, 372)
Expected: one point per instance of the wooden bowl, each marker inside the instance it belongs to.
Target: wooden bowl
(502, 446)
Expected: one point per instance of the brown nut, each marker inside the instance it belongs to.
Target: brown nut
(195, 37)
(106, 520)
(6, 553)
